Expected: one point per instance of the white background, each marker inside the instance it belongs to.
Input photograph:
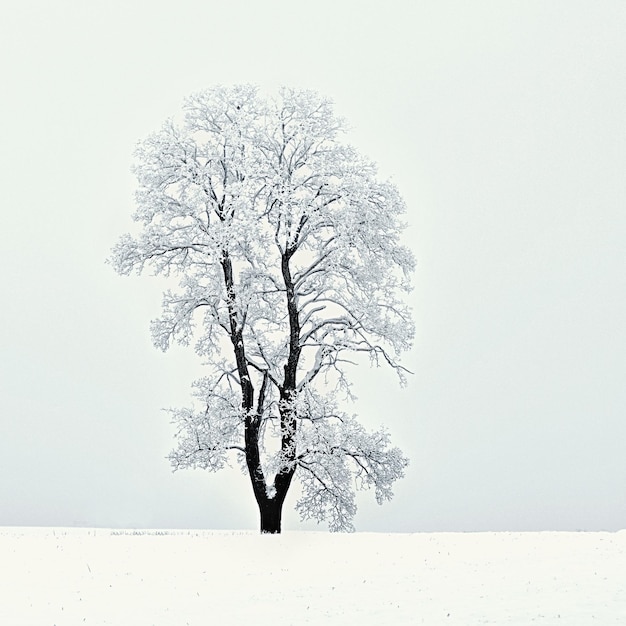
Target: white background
(502, 123)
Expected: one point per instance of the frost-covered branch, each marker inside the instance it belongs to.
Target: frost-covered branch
(287, 253)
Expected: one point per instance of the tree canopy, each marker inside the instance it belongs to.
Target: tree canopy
(287, 254)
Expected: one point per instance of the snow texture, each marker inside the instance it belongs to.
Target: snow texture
(62, 577)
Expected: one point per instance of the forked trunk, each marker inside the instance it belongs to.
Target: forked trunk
(271, 509)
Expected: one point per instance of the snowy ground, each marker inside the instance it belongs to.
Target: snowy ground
(59, 577)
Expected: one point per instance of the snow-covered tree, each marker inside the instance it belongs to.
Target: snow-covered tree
(287, 250)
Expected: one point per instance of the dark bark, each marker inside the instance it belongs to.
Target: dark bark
(288, 420)
(270, 509)
(252, 418)
(271, 513)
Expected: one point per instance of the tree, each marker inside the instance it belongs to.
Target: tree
(288, 257)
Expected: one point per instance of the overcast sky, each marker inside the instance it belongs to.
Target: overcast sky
(504, 126)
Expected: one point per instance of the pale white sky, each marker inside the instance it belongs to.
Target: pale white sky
(503, 125)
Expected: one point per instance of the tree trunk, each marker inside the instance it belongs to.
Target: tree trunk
(271, 513)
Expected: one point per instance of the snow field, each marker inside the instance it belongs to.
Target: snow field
(62, 577)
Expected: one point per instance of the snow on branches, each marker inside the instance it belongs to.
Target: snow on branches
(288, 255)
